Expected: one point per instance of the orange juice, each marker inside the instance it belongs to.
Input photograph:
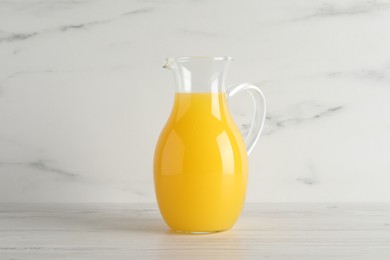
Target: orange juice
(200, 165)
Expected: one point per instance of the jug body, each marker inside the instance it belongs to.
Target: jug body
(201, 165)
(201, 158)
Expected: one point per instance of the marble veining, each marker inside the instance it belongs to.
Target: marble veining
(312, 177)
(299, 113)
(83, 96)
(40, 165)
(352, 8)
(11, 37)
(382, 75)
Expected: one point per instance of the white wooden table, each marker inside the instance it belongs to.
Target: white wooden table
(136, 231)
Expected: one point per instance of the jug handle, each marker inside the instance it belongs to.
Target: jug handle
(259, 112)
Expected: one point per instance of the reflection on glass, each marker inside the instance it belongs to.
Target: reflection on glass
(226, 150)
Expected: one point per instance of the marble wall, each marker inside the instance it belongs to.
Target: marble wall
(83, 96)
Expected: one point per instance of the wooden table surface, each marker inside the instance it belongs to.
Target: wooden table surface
(136, 231)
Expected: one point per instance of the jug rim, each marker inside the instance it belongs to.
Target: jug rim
(168, 61)
(202, 57)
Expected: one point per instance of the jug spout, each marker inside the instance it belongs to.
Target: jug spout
(168, 63)
(201, 74)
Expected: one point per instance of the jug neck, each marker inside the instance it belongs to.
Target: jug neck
(199, 74)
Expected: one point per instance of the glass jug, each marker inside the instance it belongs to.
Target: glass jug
(201, 159)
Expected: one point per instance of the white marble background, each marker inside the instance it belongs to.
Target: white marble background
(83, 96)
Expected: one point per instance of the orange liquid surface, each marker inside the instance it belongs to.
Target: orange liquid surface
(200, 165)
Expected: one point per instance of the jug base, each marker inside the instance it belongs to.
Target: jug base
(198, 232)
